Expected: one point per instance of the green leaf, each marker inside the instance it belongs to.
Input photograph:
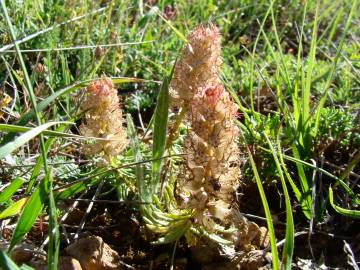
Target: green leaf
(39, 161)
(47, 101)
(138, 158)
(202, 232)
(175, 233)
(309, 74)
(11, 189)
(160, 129)
(177, 32)
(269, 222)
(252, 63)
(13, 209)
(6, 263)
(54, 234)
(24, 138)
(306, 200)
(288, 250)
(75, 189)
(26, 267)
(329, 81)
(31, 211)
(20, 129)
(289, 178)
(340, 210)
(337, 179)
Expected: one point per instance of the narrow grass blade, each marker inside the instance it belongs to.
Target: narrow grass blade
(289, 234)
(177, 32)
(20, 129)
(280, 49)
(50, 133)
(11, 189)
(11, 146)
(27, 86)
(305, 97)
(37, 168)
(295, 189)
(26, 267)
(64, 91)
(24, 138)
(338, 181)
(33, 35)
(252, 64)
(351, 165)
(306, 200)
(296, 114)
(31, 211)
(340, 210)
(75, 189)
(139, 168)
(274, 252)
(159, 132)
(13, 209)
(321, 103)
(6, 262)
(275, 57)
(81, 47)
(54, 234)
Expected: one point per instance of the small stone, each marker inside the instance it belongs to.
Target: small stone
(75, 216)
(69, 263)
(262, 239)
(246, 234)
(38, 264)
(222, 266)
(94, 254)
(65, 263)
(205, 253)
(253, 260)
(22, 253)
(180, 264)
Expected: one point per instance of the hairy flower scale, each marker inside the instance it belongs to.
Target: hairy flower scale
(198, 64)
(210, 171)
(212, 154)
(103, 119)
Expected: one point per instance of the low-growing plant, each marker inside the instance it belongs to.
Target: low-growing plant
(277, 107)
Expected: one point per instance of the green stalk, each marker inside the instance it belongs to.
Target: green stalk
(252, 64)
(31, 94)
(270, 225)
(288, 250)
(321, 103)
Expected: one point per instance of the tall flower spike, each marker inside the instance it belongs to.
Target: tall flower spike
(103, 119)
(198, 64)
(210, 173)
(210, 170)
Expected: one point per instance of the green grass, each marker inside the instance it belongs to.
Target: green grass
(291, 66)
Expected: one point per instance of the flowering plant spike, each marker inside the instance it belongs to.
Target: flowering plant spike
(198, 64)
(210, 171)
(103, 119)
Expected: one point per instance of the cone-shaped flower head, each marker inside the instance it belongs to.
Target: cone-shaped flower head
(103, 119)
(211, 168)
(198, 64)
(210, 171)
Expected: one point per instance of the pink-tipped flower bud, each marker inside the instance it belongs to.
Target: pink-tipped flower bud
(103, 119)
